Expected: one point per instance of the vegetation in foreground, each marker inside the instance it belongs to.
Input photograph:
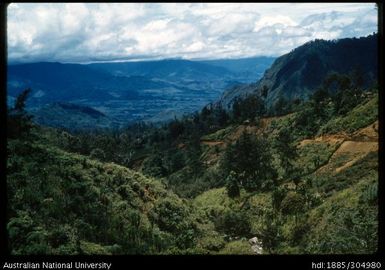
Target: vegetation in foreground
(193, 186)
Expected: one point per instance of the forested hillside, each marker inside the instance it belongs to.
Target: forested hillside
(302, 179)
(298, 74)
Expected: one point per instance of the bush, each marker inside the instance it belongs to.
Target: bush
(169, 215)
(293, 203)
(213, 242)
(234, 223)
(98, 154)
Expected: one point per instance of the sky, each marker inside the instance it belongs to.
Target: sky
(103, 32)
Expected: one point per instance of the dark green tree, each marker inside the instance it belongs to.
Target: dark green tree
(232, 185)
(277, 196)
(271, 232)
(251, 159)
(281, 107)
(19, 122)
(248, 108)
(233, 223)
(287, 151)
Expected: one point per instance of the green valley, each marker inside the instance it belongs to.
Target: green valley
(202, 192)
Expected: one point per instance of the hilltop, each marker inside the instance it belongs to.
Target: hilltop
(298, 74)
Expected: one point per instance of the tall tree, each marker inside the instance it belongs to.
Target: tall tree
(287, 150)
(251, 159)
(232, 185)
(19, 121)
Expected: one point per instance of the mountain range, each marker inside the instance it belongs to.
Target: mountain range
(161, 90)
(131, 91)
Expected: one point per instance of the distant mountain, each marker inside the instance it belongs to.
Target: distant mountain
(247, 69)
(299, 73)
(130, 91)
(53, 82)
(242, 70)
(165, 69)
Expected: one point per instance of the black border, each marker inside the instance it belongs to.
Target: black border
(3, 131)
(119, 262)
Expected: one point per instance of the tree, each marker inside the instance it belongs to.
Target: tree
(357, 77)
(277, 196)
(347, 90)
(287, 151)
(251, 159)
(320, 95)
(248, 108)
(270, 233)
(233, 223)
(98, 153)
(232, 185)
(176, 128)
(281, 107)
(154, 166)
(193, 160)
(293, 204)
(19, 122)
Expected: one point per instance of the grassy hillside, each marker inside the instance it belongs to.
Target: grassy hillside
(303, 182)
(64, 203)
(359, 117)
(337, 196)
(336, 192)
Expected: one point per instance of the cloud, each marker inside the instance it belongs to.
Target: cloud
(79, 32)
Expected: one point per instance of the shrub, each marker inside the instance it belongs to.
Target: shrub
(234, 223)
(293, 203)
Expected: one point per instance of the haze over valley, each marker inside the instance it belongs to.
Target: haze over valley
(131, 91)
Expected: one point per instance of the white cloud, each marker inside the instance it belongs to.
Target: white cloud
(273, 20)
(82, 32)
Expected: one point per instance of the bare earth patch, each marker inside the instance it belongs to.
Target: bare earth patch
(353, 147)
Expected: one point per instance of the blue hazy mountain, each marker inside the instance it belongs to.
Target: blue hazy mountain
(130, 91)
(246, 69)
(67, 82)
(174, 69)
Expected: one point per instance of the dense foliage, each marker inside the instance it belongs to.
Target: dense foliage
(201, 184)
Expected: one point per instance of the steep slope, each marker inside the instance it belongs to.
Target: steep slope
(63, 203)
(299, 73)
(337, 189)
